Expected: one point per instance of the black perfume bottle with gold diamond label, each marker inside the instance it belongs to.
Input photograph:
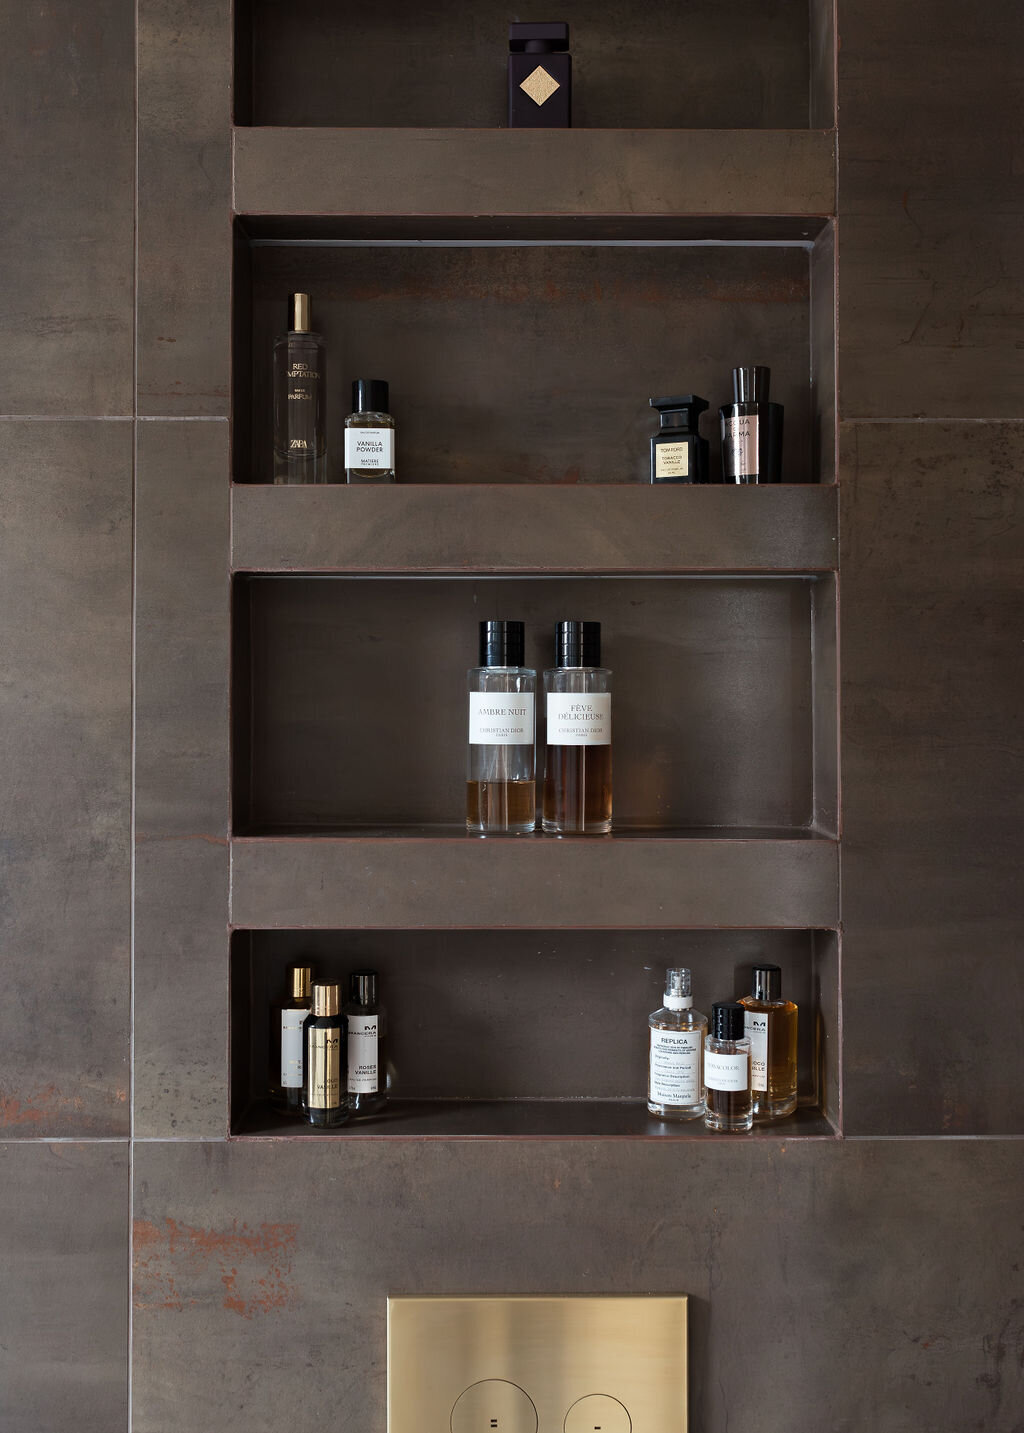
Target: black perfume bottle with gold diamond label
(539, 77)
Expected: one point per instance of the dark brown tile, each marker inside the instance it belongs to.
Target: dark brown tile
(65, 720)
(184, 207)
(933, 564)
(64, 1211)
(66, 74)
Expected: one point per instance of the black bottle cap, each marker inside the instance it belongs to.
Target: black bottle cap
(502, 644)
(750, 385)
(727, 1020)
(362, 987)
(538, 39)
(370, 395)
(688, 403)
(766, 982)
(577, 644)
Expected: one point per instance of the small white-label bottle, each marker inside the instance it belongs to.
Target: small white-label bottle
(367, 1078)
(727, 1070)
(370, 434)
(675, 1084)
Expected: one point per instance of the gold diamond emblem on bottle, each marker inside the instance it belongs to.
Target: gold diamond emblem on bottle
(539, 85)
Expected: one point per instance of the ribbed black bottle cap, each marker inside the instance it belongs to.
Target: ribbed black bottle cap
(502, 644)
(370, 395)
(766, 982)
(727, 1020)
(750, 385)
(577, 644)
(362, 987)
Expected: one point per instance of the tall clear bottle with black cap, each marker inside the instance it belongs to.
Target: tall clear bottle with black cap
(370, 434)
(578, 734)
(367, 1072)
(727, 1070)
(751, 430)
(325, 1048)
(300, 371)
(500, 776)
(770, 1023)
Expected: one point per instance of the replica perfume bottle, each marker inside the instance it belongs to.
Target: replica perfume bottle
(770, 1024)
(675, 1085)
(751, 430)
(727, 1070)
(325, 1050)
(578, 716)
(286, 1059)
(539, 77)
(300, 370)
(678, 453)
(500, 791)
(369, 434)
(367, 1078)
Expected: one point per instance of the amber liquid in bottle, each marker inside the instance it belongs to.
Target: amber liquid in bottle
(578, 788)
(500, 805)
(577, 794)
(771, 1025)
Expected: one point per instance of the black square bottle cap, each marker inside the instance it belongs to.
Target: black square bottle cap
(502, 644)
(362, 987)
(370, 395)
(727, 1019)
(766, 982)
(577, 644)
(538, 39)
(750, 385)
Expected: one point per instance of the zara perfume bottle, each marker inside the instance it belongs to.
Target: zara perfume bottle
(578, 718)
(367, 1077)
(675, 1085)
(300, 371)
(539, 76)
(325, 1050)
(500, 790)
(727, 1071)
(286, 1059)
(369, 434)
(678, 453)
(751, 430)
(770, 1023)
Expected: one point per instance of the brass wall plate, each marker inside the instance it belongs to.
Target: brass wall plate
(537, 1365)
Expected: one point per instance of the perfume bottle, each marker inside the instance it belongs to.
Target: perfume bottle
(770, 1023)
(286, 1020)
(325, 1049)
(727, 1070)
(369, 434)
(300, 371)
(678, 453)
(500, 792)
(751, 430)
(675, 1086)
(578, 713)
(539, 77)
(367, 1078)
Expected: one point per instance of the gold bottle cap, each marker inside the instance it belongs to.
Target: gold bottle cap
(326, 1000)
(298, 307)
(300, 980)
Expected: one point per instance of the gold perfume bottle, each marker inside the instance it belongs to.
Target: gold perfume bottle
(770, 1023)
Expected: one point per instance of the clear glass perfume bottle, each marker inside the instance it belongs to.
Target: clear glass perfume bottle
(367, 1078)
(300, 371)
(578, 754)
(286, 1020)
(675, 1086)
(370, 434)
(325, 1048)
(770, 1023)
(727, 1070)
(500, 790)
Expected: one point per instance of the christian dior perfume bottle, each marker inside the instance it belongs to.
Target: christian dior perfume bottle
(727, 1070)
(325, 1050)
(367, 1078)
(751, 430)
(500, 792)
(770, 1023)
(286, 1059)
(675, 1085)
(300, 371)
(678, 453)
(369, 434)
(578, 716)
(539, 77)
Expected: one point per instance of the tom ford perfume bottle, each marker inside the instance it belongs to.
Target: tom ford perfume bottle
(770, 1023)
(678, 453)
(369, 434)
(727, 1070)
(675, 1086)
(300, 371)
(539, 77)
(500, 791)
(286, 1059)
(751, 430)
(578, 717)
(367, 1077)
(325, 1049)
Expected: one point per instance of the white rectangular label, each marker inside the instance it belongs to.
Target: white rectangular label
(726, 1072)
(755, 1027)
(739, 446)
(363, 1054)
(500, 718)
(370, 448)
(579, 718)
(675, 1067)
(291, 1048)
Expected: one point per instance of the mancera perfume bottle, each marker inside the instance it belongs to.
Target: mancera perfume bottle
(300, 371)
(370, 434)
(325, 1050)
(539, 76)
(500, 791)
(727, 1071)
(578, 716)
(751, 430)
(286, 1021)
(367, 1079)
(678, 453)
(770, 1023)
(675, 1086)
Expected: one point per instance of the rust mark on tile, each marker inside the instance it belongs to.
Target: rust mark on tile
(180, 1266)
(51, 1106)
